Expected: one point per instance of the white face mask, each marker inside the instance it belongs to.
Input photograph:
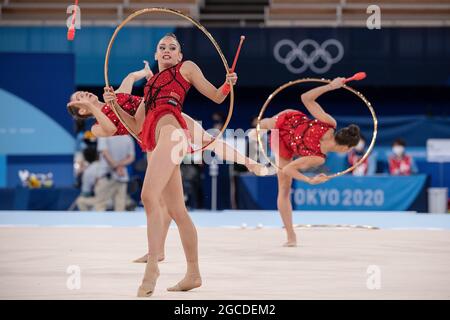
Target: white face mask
(398, 150)
(360, 146)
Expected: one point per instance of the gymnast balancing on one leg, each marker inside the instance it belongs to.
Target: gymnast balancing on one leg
(157, 118)
(85, 105)
(308, 139)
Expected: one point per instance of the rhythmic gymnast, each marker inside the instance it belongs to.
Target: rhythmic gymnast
(308, 139)
(84, 105)
(157, 118)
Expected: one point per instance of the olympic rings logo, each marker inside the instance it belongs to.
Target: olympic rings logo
(308, 60)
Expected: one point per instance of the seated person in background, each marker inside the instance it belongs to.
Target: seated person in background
(400, 163)
(108, 177)
(84, 140)
(86, 200)
(368, 167)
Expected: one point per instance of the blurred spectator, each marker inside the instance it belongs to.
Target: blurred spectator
(84, 139)
(116, 153)
(218, 119)
(87, 200)
(192, 184)
(368, 166)
(89, 176)
(400, 163)
(110, 173)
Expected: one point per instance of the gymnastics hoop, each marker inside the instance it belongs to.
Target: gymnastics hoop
(291, 83)
(115, 105)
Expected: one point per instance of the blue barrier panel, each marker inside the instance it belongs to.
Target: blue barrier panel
(37, 199)
(61, 166)
(2, 170)
(374, 193)
(359, 193)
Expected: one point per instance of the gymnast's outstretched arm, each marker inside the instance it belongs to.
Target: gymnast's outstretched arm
(195, 76)
(127, 83)
(309, 100)
(305, 163)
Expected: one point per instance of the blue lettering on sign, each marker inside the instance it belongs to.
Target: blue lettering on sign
(353, 193)
(335, 197)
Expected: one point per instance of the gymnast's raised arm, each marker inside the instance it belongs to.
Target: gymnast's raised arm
(309, 100)
(191, 72)
(127, 83)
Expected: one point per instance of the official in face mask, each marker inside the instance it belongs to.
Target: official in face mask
(400, 163)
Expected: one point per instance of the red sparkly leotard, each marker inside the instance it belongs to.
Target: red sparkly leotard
(164, 94)
(299, 135)
(129, 103)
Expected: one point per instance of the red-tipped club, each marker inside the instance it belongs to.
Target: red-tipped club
(356, 76)
(237, 54)
(71, 33)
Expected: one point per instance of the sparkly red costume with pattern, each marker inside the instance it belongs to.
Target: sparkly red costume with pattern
(299, 135)
(129, 103)
(164, 94)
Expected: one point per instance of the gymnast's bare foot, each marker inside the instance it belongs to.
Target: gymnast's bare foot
(189, 282)
(147, 287)
(143, 259)
(291, 242)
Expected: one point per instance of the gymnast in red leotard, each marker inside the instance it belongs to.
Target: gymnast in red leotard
(84, 105)
(164, 94)
(159, 121)
(295, 135)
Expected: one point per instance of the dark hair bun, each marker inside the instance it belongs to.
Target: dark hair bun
(73, 111)
(353, 130)
(348, 136)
